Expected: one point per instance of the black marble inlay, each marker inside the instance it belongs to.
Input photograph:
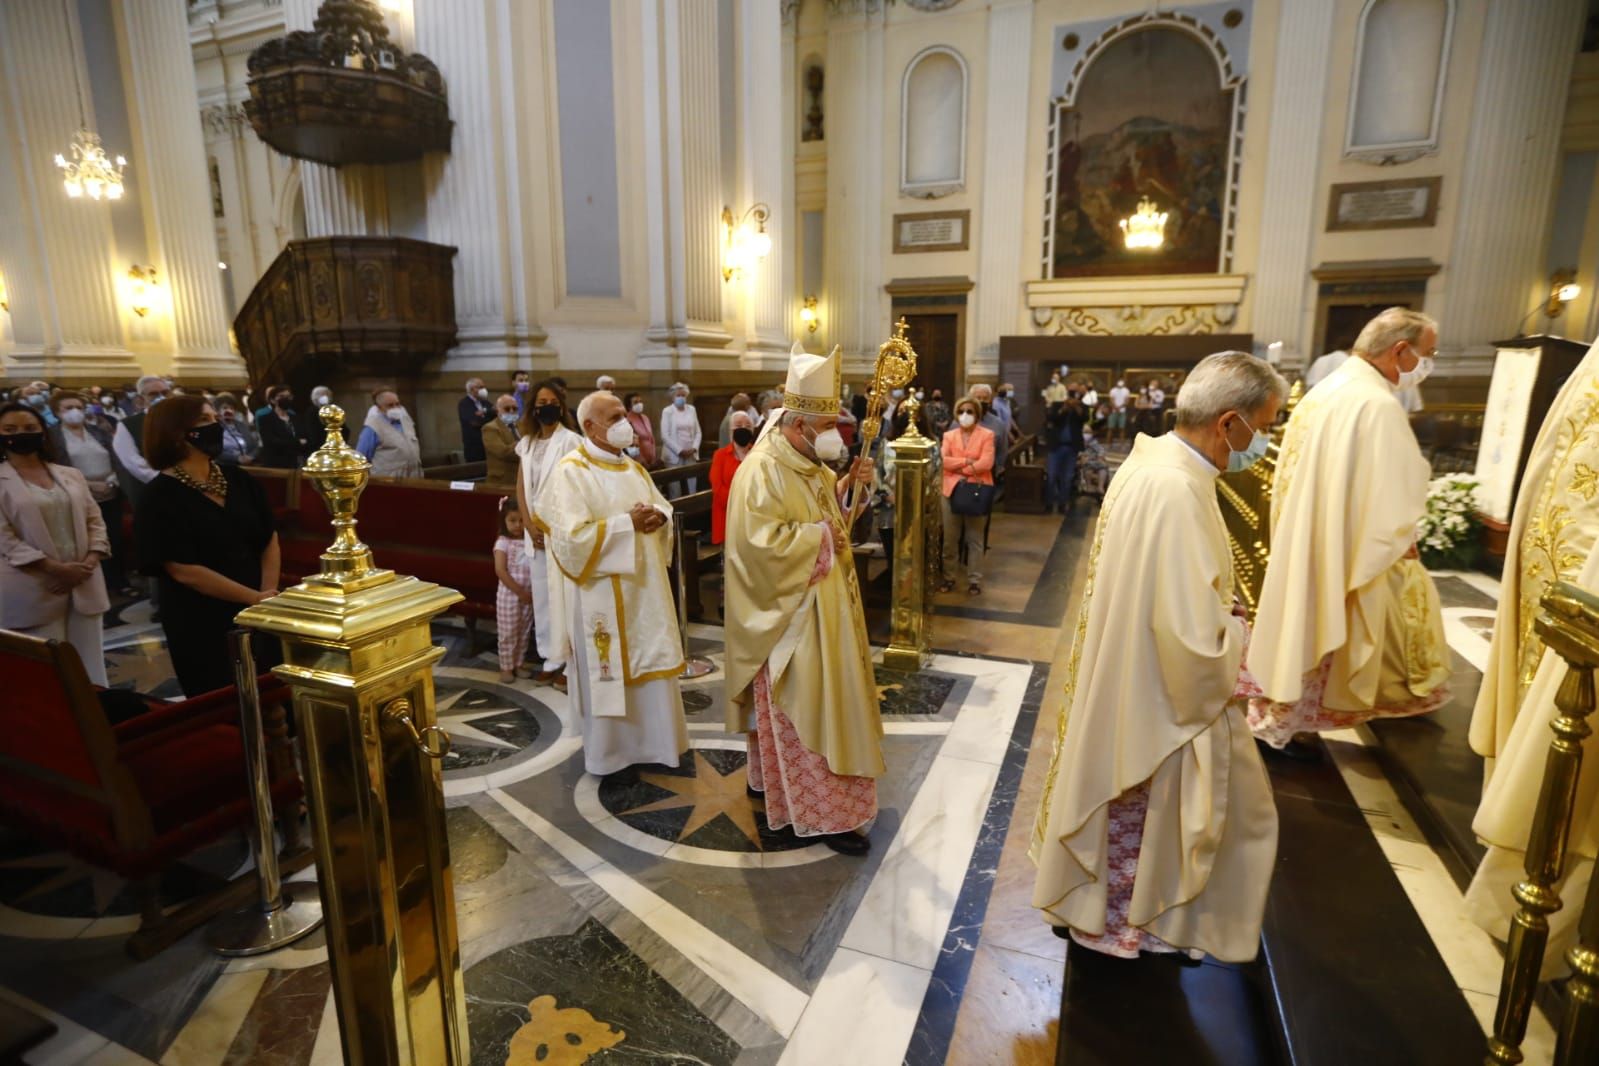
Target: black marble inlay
(703, 811)
(600, 988)
(476, 718)
(696, 702)
(922, 692)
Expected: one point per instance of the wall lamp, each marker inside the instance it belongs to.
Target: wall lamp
(746, 241)
(142, 284)
(808, 314)
(1563, 289)
(5, 299)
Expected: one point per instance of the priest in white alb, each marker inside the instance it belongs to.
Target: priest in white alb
(1349, 622)
(1157, 831)
(1552, 535)
(799, 666)
(606, 528)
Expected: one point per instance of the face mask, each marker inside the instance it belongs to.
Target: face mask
(207, 438)
(1243, 460)
(829, 446)
(282, 403)
(482, 394)
(898, 394)
(638, 408)
(322, 400)
(967, 419)
(395, 412)
(73, 416)
(36, 401)
(521, 386)
(547, 413)
(919, 394)
(1409, 379)
(679, 402)
(22, 443)
(509, 418)
(632, 451)
(743, 437)
(151, 401)
(620, 434)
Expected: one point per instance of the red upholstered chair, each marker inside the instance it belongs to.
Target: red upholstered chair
(135, 797)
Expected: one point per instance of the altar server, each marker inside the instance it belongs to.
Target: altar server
(607, 530)
(1157, 831)
(1552, 535)
(799, 668)
(1349, 622)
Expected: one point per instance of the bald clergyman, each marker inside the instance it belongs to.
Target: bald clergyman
(1157, 830)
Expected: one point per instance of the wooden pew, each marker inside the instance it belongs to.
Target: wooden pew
(1024, 478)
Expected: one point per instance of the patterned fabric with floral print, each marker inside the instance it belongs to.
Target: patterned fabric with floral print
(800, 789)
(1276, 723)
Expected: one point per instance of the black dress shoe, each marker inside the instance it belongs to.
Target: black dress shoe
(848, 843)
(1062, 931)
(753, 792)
(1295, 751)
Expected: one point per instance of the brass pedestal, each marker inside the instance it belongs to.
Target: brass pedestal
(359, 656)
(915, 506)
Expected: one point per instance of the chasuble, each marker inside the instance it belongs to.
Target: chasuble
(1153, 706)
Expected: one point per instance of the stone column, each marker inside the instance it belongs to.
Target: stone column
(857, 314)
(1283, 293)
(57, 254)
(999, 294)
(176, 187)
(1495, 272)
(767, 176)
(473, 193)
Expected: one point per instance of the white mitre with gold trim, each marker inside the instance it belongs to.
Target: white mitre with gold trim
(815, 382)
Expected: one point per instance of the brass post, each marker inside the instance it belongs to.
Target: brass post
(1569, 624)
(1579, 1030)
(912, 617)
(359, 655)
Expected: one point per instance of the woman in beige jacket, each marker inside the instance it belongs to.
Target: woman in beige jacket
(52, 539)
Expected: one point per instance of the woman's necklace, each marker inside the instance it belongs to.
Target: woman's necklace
(215, 484)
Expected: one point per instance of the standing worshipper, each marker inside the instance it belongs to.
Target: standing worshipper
(283, 444)
(739, 402)
(643, 432)
(545, 440)
(388, 438)
(1157, 831)
(474, 413)
(1349, 619)
(127, 443)
(500, 438)
(607, 529)
(724, 464)
(1552, 536)
(681, 435)
(1063, 430)
(799, 666)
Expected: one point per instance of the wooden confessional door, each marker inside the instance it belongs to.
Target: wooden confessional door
(936, 338)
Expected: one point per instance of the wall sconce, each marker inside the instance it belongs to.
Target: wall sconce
(1563, 289)
(141, 289)
(1145, 229)
(808, 314)
(5, 299)
(744, 246)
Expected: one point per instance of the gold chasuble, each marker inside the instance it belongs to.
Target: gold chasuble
(1150, 709)
(1347, 621)
(1552, 536)
(811, 636)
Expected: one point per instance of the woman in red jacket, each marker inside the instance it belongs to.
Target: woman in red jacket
(968, 451)
(724, 464)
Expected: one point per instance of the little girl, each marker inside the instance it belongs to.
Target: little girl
(513, 600)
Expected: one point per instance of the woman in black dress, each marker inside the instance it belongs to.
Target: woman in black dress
(281, 444)
(207, 531)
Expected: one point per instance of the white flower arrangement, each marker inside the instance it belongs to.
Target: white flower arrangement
(1447, 535)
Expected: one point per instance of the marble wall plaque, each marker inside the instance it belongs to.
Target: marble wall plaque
(932, 231)
(1401, 203)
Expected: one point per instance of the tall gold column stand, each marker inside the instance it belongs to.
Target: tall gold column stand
(909, 645)
(694, 666)
(359, 657)
(282, 915)
(1569, 626)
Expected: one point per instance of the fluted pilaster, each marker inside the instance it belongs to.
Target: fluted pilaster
(1495, 271)
(854, 105)
(1283, 298)
(173, 161)
(702, 161)
(999, 257)
(767, 174)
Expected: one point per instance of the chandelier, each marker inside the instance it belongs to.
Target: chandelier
(90, 172)
(1145, 229)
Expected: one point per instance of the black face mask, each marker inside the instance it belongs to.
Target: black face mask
(22, 443)
(743, 437)
(207, 438)
(547, 413)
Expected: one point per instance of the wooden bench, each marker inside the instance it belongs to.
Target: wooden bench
(1025, 491)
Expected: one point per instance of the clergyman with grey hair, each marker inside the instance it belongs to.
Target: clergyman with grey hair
(1153, 729)
(1349, 621)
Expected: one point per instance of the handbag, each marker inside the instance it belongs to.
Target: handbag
(971, 498)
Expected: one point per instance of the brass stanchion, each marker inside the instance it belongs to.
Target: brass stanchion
(1569, 625)
(694, 666)
(1579, 1030)
(911, 639)
(359, 655)
(281, 916)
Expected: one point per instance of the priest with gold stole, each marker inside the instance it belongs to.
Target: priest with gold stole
(1349, 626)
(607, 530)
(799, 667)
(1157, 831)
(1552, 534)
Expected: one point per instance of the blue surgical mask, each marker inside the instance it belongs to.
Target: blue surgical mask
(679, 401)
(1243, 460)
(509, 418)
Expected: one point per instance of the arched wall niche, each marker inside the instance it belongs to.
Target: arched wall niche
(933, 124)
(1152, 109)
(1396, 95)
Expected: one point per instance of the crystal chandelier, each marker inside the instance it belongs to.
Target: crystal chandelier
(90, 172)
(1145, 229)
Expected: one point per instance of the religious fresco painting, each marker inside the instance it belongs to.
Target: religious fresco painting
(1150, 120)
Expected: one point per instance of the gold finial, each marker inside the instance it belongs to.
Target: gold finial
(900, 327)
(913, 432)
(340, 473)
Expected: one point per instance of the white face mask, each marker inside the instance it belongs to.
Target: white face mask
(482, 394)
(829, 446)
(967, 419)
(72, 416)
(1409, 379)
(620, 435)
(638, 408)
(321, 400)
(395, 412)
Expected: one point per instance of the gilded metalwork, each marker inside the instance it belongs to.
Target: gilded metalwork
(896, 367)
(1568, 623)
(359, 655)
(914, 471)
(1246, 508)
